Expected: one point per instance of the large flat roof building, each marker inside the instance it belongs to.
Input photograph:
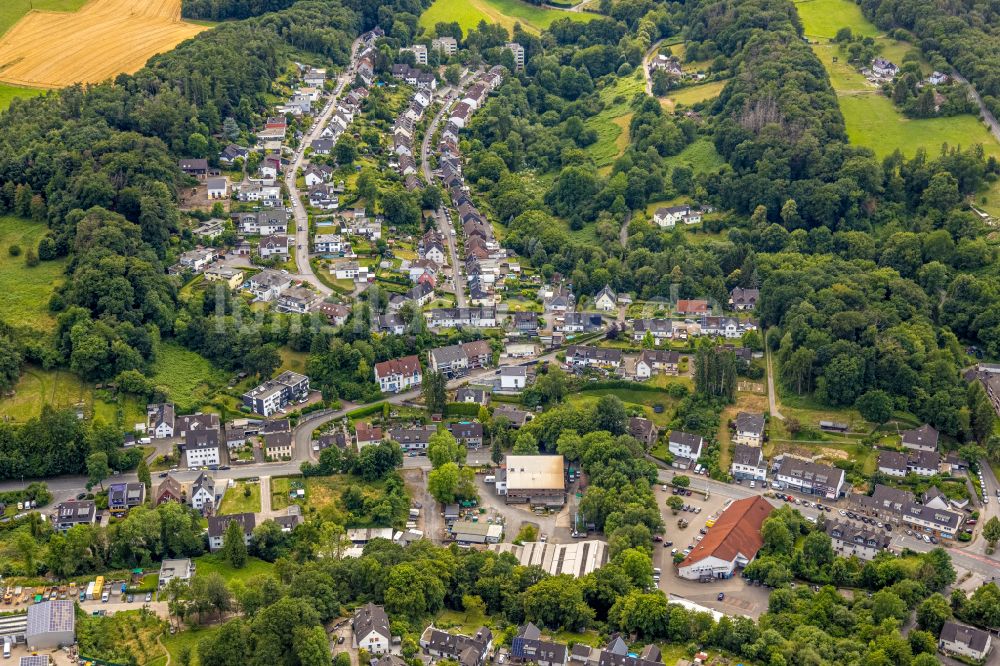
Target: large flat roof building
(536, 480)
(575, 559)
(51, 624)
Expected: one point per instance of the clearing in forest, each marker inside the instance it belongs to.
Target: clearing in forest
(104, 38)
(468, 14)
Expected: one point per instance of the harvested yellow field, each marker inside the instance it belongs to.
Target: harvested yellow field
(101, 40)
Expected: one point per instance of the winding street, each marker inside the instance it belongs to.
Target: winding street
(987, 115)
(298, 209)
(645, 65)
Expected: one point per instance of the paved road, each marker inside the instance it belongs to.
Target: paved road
(645, 65)
(445, 227)
(305, 270)
(987, 115)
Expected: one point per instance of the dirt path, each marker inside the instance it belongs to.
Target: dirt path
(771, 399)
(987, 115)
(165, 650)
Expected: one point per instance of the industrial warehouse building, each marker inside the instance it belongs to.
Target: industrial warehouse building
(575, 559)
(51, 624)
(533, 480)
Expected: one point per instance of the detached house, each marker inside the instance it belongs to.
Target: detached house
(655, 361)
(748, 463)
(749, 429)
(643, 430)
(606, 299)
(744, 299)
(686, 448)
(398, 374)
(966, 641)
(370, 627)
(924, 438)
(217, 526)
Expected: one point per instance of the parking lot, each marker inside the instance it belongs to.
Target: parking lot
(557, 526)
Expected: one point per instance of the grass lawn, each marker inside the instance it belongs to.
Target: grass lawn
(24, 291)
(281, 486)
(823, 18)
(632, 398)
(38, 387)
(176, 643)
(701, 156)
(207, 564)
(611, 124)
(189, 378)
(11, 11)
(293, 360)
(694, 94)
(872, 119)
(235, 501)
(468, 14)
(8, 93)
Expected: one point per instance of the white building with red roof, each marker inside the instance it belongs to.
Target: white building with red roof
(732, 542)
(398, 374)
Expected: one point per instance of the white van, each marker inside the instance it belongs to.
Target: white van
(6, 647)
(697, 469)
(490, 479)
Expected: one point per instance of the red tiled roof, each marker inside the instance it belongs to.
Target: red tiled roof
(736, 531)
(408, 365)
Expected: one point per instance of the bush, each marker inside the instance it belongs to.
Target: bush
(14, 250)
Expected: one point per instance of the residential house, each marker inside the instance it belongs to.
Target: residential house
(197, 167)
(274, 394)
(528, 647)
(160, 420)
(468, 433)
(231, 153)
(196, 422)
(218, 188)
(643, 430)
(808, 477)
(399, 374)
(169, 490)
(850, 539)
(924, 463)
(595, 357)
(267, 285)
(125, 496)
(202, 448)
(263, 223)
(685, 447)
(365, 434)
(516, 417)
(692, 307)
(475, 317)
(475, 396)
(217, 526)
(965, 641)
(335, 313)
(466, 650)
(667, 217)
(924, 438)
(181, 569)
(370, 627)
(892, 463)
(748, 463)
(210, 229)
(278, 445)
(655, 361)
(749, 429)
(198, 259)
(329, 244)
(298, 300)
(233, 277)
(513, 378)
(884, 69)
(743, 299)
(659, 329)
(74, 512)
(606, 299)
(202, 496)
(447, 45)
(412, 439)
(518, 52)
(273, 247)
